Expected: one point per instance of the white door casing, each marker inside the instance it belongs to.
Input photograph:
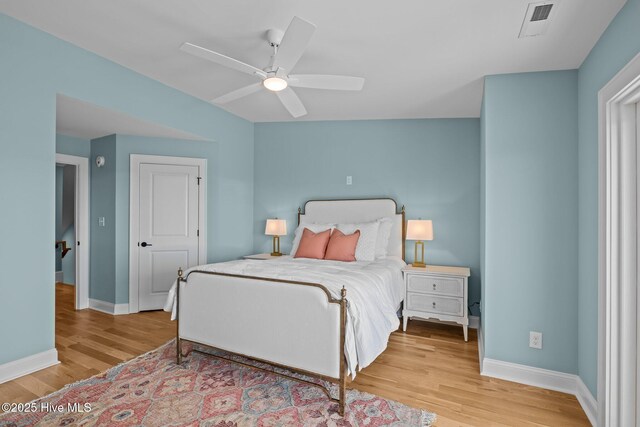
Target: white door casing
(618, 248)
(167, 225)
(80, 247)
(637, 300)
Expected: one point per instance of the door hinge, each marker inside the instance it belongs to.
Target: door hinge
(198, 233)
(78, 242)
(199, 178)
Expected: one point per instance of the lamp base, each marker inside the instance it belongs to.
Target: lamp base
(276, 246)
(419, 265)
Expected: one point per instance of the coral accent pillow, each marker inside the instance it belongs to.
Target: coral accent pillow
(313, 245)
(342, 247)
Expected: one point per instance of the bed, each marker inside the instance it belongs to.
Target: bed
(324, 319)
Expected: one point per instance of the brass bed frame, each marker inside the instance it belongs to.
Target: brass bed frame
(341, 381)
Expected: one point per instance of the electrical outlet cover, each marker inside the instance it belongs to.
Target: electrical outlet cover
(535, 340)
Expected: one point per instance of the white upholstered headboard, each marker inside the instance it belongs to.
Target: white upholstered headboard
(358, 210)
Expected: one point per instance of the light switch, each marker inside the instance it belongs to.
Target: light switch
(349, 180)
(101, 221)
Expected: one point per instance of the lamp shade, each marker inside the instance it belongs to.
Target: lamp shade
(276, 227)
(419, 229)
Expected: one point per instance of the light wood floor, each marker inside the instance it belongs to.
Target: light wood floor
(428, 367)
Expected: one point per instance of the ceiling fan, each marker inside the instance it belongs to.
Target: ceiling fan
(288, 47)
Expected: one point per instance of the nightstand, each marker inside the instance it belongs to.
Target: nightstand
(436, 292)
(262, 256)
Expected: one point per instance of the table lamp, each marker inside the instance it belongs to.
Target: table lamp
(419, 230)
(276, 228)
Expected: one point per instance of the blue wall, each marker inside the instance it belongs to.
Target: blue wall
(102, 261)
(112, 181)
(617, 46)
(73, 146)
(35, 67)
(431, 166)
(110, 187)
(531, 206)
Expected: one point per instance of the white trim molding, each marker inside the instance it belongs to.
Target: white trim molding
(523, 374)
(134, 214)
(26, 365)
(543, 378)
(587, 401)
(108, 307)
(617, 247)
(480, 347)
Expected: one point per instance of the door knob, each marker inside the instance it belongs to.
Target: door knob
(145, 244)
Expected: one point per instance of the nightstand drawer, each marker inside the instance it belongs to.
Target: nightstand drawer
(434, 304)
(435, 285)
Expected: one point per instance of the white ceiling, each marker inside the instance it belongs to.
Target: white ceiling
(88, 121)
(420, 58)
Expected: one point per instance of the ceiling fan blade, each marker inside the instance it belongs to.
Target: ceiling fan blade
(291, 102)
(325, 81)
(294, 42)
(238, 93)
(221, 59)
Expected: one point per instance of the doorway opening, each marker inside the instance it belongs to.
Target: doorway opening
(619, 235)
(72, 226)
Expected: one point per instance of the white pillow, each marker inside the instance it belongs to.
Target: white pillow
(384, 233)
(316, 228)
(366, 247)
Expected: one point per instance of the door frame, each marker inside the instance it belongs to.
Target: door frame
(618, 166)
(134, 214)
(81, 221)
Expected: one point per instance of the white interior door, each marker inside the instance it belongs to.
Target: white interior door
(168, 228)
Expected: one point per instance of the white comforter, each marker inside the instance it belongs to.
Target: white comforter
(374, 293)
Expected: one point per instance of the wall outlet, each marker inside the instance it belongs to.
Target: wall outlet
(535, 340)
(349, 180)
(101, 221)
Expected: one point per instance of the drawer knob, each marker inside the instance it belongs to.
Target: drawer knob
(434, 305)
(434, 286)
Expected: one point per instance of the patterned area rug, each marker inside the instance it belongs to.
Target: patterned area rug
(152, 390)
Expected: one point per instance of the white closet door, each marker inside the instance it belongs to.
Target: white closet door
(168, 228)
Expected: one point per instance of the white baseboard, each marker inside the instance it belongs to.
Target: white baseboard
(543, 378)
(108, 307)
(587, 401)
(523, 374)
(26, 365)
(480, 347)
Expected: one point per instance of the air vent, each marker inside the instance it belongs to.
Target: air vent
(540, 13)
(538, 18)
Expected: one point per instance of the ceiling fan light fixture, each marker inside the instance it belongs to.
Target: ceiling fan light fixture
(275, 84)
